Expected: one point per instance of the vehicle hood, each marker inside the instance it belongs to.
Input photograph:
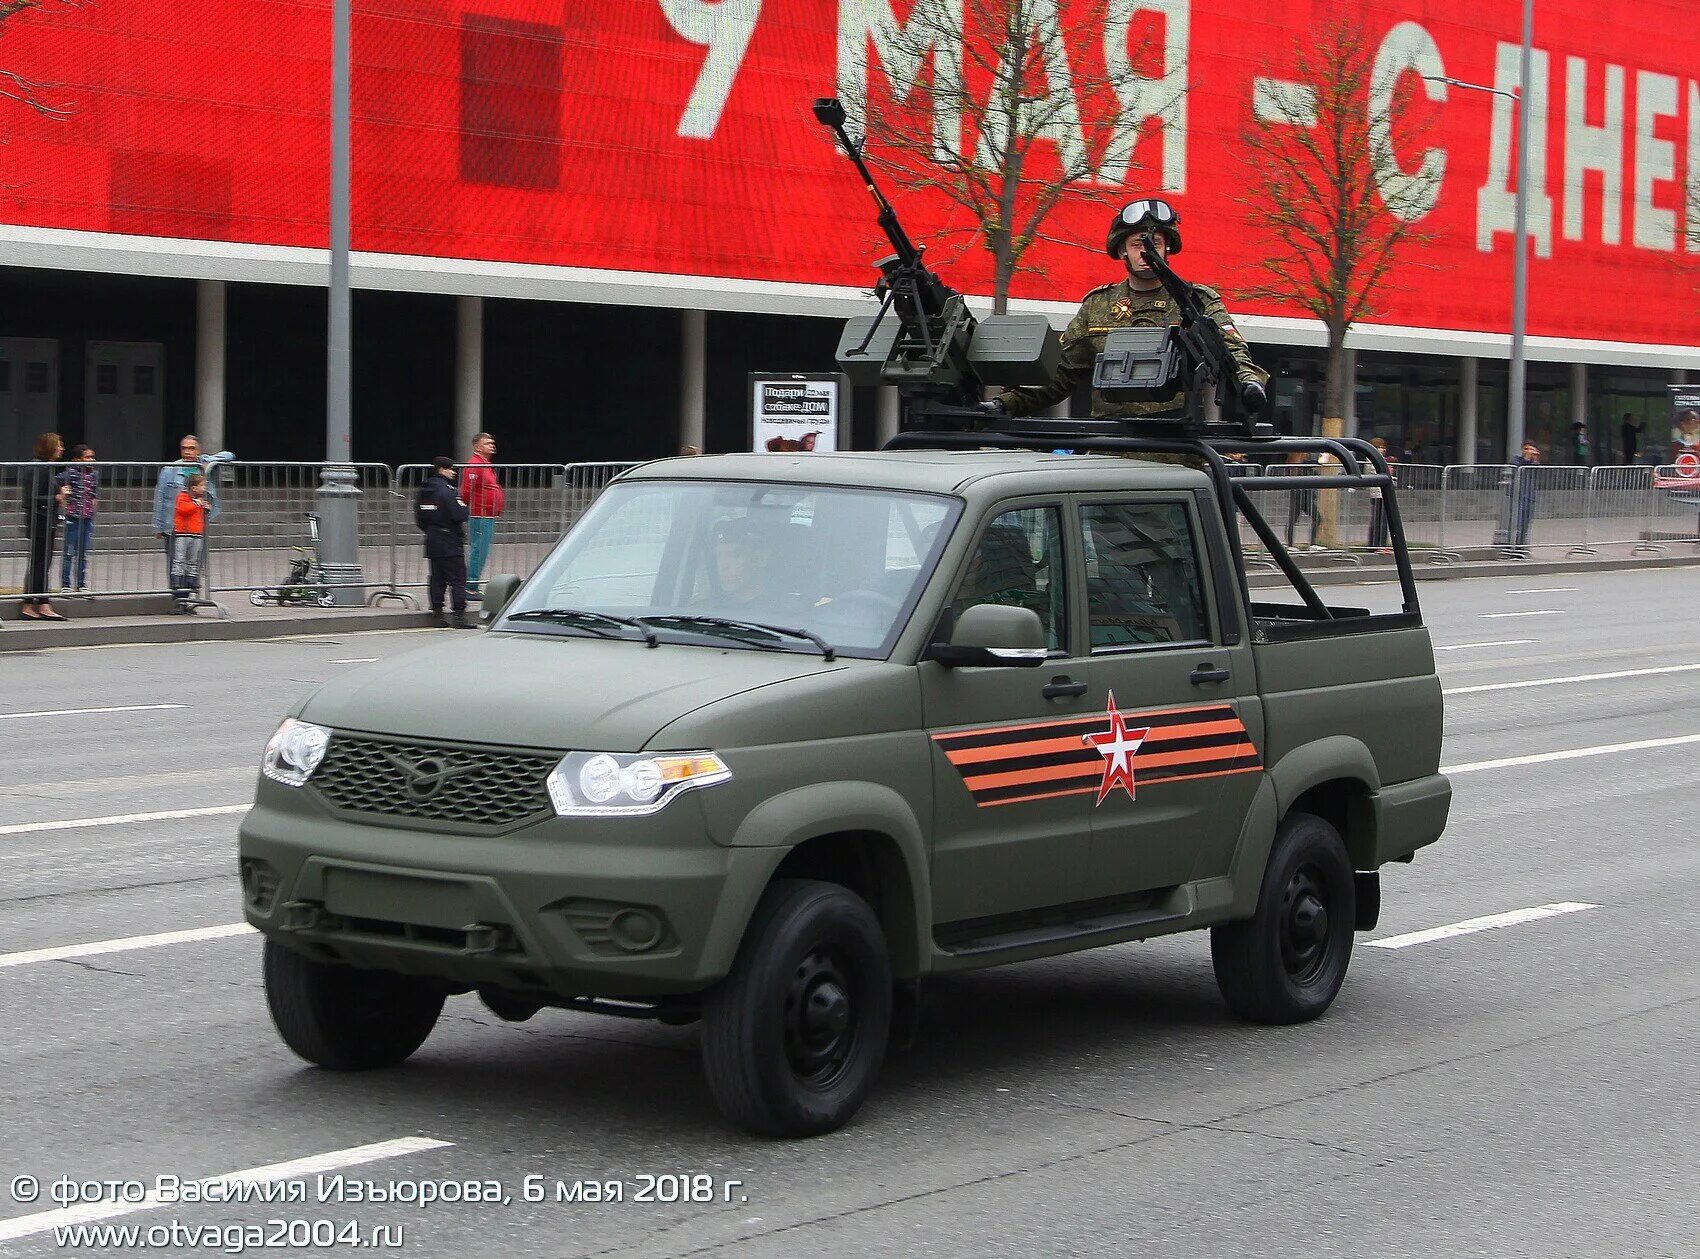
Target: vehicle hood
(546, 691)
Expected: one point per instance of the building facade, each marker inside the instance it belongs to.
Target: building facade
(582, 225)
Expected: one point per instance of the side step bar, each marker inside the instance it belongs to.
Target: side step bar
(1076, 924)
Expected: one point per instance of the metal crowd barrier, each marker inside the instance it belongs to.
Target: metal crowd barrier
(1673, 512)
(542, 501)
(1475, 512)
(260, 545)
(264, 546)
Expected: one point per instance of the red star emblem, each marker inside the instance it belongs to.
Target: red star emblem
(1118, 745)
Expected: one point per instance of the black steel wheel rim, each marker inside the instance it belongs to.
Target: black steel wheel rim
(821, 1019)
(1304, 925)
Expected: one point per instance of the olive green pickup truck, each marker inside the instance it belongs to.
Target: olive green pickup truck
(767, 740)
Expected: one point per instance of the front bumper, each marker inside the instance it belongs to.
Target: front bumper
(601, 907)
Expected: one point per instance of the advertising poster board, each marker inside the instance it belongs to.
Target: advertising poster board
(796, 412)
(1685, 429)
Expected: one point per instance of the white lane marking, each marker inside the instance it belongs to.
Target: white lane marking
(1500, 642)
(1574, 677)
(97, 947)
(1500, 616)
(356, 660)
(78, 712)
(294, 1169)
(1571, 754)
(117, 819)
(1471, 925)
(1543, 590)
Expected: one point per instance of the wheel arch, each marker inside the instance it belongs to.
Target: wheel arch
(861, 835)
(1335, 779)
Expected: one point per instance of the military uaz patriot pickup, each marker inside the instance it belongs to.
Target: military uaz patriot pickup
(767, 740)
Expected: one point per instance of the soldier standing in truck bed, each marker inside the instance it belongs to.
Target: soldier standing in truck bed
(1139, 300)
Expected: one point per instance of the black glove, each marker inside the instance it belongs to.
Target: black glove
(1252, 397)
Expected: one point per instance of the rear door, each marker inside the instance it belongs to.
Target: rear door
(1009, 834)
(1178, 754)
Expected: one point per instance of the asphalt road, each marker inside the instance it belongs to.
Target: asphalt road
(1523, 1090)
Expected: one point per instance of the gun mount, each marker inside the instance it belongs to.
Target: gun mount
(923, 338)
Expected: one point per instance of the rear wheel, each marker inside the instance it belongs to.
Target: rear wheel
(1285, 964)
(345, 1018)
(794, 1036)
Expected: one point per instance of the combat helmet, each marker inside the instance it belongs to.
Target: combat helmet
(1137, 216)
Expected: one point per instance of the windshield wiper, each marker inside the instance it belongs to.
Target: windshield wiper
(826, 649)
(589, 621)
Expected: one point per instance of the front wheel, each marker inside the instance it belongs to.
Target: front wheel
(345, 1018)
(1285, 964)
(793, 1037)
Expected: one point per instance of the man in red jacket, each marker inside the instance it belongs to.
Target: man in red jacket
(481, 490)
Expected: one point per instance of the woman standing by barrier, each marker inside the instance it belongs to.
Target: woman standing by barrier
(42, 496)
(83, 482)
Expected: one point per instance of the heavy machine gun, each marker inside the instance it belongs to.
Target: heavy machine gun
(932, 348)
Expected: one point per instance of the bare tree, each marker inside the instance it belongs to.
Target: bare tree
(1023, 110)
(1328, 202)
(14, 86)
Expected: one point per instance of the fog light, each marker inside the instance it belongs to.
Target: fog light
(635, 930)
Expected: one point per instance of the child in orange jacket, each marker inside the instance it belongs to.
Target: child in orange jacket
(188, 541)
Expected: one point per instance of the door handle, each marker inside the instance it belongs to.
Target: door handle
(1063, 688)
(1208, 672)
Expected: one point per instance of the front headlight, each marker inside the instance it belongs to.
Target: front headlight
(295, 752)
(620, 784)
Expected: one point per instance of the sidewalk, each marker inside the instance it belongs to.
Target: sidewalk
(89, 629)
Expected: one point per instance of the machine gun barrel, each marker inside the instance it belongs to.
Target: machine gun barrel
(829, 112)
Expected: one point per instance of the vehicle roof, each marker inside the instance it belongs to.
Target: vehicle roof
(1001, 472)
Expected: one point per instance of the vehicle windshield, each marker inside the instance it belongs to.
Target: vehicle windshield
(714, 562)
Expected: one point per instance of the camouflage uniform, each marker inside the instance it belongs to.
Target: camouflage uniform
(1105, 310)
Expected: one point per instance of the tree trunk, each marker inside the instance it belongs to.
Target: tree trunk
(1003, 271)
(1338, 381)
(1336, 389)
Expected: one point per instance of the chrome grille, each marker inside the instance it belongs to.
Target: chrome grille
(483, 787)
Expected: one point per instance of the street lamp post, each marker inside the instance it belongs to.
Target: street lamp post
(1514, 412)
(339, 491)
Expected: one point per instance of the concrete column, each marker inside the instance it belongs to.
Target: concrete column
(1060, 410)
(1579, 394)
(693, 379)
(209, 364)
(1469, 374)
(888, 413)
(1679, 376)
(1351, 393)
(469, 374)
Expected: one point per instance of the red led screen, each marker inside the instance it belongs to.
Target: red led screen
(674, 136)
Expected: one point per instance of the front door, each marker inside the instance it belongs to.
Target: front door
(1006, 837)
(1179, 739)
(29, 394)
(124, 391)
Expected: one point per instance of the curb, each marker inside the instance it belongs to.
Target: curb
(1349, 575)
(17, 638)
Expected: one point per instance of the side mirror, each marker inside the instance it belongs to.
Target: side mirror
(991, 635)
(498, 593)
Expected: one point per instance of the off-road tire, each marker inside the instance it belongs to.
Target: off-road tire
(794, 1036)
(1284, 964)
(345, 1018)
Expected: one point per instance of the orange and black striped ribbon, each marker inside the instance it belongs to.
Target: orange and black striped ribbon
(1014, 764)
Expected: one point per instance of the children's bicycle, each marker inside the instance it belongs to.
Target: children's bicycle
(306, 583)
